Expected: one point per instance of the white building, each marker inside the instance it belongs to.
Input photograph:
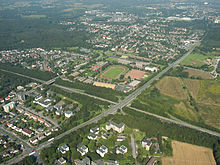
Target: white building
(152, 69)
(121, 150)
(61, 160)
(63, 149)
(92, 136)
(9, 106)
(146, 143)
(82, 149)
(116, 127)
(102, 150)
(68, 114)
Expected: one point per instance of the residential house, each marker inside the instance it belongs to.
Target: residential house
(34, 140)
(92, 136)
(61, 160)
(85, 161)
(68, 114)
(63, 149)
(121, 150)
(94, 130)
(82, 149)
(102, 150)
(27, 132)
(146, 143)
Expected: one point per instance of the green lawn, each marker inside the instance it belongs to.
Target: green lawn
(113, 73)
(194, 59)
(197, 59)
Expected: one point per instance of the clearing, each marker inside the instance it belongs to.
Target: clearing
(171, 86)
(195, 73)
(188, 154)
(198, 59)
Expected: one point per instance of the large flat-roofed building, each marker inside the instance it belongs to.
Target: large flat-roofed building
(106, 85)
(9, 106)
(116, 127)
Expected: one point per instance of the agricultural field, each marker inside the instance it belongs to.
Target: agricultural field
(171, 86)
(184, 153)
(186, 99)
(114, 72)
(195, 73)
(206, 94)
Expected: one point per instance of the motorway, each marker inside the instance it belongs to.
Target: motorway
(114, 109)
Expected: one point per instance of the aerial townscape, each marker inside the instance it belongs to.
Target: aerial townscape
(109, 82)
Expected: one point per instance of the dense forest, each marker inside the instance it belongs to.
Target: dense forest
(42, 75)
(9, 82)
(105, 93)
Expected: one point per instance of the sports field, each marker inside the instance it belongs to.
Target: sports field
(188, 154)
(113, 72)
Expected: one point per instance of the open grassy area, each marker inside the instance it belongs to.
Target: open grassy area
(113, 72)
(194, 73)
(197, 59)
(171, 86)
(187, 99)
(184, 153)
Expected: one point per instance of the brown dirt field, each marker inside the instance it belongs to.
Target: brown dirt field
(198, 74)
(171, 86)
(193, 86)
(188, 154)
(136, 74)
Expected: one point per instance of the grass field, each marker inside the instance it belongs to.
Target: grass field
(206, 94)
(171, 86)
(195, 73)
(113, 72)
(196, 59)
(193, 86)
(188, 154)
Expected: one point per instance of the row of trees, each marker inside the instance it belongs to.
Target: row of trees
(157, 127)
(93, 90)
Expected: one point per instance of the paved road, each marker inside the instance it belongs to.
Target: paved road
(120, 105)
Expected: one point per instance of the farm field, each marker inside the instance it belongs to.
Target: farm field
(206, 94)
(113, 72)
(171, 86)
(195, 73)
(188, 154)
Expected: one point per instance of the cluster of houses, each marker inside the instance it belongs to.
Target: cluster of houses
(37, 119)
(25, 131)
(9, 147)
(41, 136)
